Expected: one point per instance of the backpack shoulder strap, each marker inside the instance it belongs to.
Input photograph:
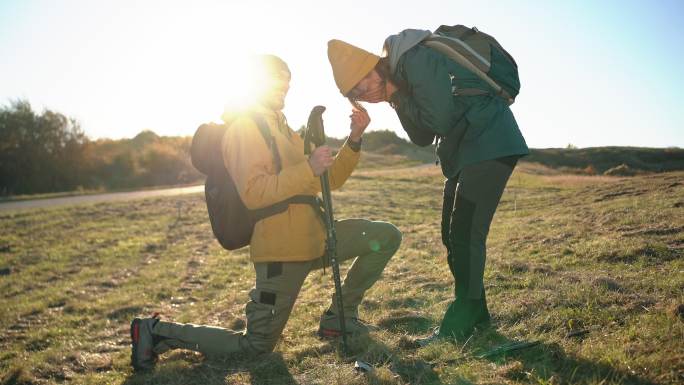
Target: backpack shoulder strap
(277, 208)
(441, 44)
(270, 140)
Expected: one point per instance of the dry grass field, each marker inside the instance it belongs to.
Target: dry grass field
(588, 268)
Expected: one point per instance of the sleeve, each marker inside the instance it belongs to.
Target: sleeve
(249, 161)
(425, 104)
(344, 164)
(417, 136)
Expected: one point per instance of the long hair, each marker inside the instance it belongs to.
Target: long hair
(383, 68)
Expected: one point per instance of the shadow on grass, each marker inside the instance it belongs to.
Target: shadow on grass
(541, 363)
(547, 362)
(406, 322)
(386, 363)
(536, 361)
(185, 367)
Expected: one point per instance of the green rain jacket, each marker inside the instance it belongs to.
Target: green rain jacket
(470, 129)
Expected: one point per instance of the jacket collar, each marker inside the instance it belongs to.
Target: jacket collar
(277, 116)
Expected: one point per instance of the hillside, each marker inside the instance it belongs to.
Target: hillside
(602, 159)
(593, 160)
(386, 142)
(148, 160)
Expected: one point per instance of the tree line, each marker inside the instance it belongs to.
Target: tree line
(49, 152)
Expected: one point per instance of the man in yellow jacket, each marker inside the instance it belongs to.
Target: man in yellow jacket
(284, 247)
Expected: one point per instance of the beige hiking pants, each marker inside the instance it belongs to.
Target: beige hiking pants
(276, 289)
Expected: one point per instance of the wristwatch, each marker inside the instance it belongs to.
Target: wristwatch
(355, 146)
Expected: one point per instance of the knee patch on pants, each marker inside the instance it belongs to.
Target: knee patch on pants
(267, 314)
(390, 240)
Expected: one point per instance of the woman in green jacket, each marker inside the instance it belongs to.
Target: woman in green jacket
(479, 144)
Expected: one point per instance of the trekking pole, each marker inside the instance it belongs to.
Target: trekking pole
(315, 133)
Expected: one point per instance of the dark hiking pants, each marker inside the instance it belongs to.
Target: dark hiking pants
(470, 200)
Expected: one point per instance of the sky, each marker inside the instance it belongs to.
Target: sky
(593, 73)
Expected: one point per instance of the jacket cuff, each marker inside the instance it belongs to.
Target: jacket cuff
(346, 152)
(354, 146)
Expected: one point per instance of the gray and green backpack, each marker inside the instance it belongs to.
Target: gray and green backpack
(481, 54)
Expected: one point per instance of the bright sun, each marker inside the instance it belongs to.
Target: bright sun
(225, 84)
(244, 84)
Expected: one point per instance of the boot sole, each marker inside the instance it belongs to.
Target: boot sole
(135, 336)
(135, 341)
(330, 333)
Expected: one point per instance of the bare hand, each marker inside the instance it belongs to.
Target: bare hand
(359, 122)
(320, 160)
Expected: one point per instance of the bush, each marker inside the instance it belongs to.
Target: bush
(49, 152)
(39, 152)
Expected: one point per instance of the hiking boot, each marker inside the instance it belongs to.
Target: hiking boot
(142, 343)
(329, 326)
(461, 317)
(460, 321)
(484, 319)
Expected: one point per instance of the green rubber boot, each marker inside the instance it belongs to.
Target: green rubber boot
(484, 319)
(461, 317)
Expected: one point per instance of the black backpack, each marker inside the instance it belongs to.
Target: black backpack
(231, 221)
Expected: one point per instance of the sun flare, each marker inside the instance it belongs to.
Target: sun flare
(245, 83)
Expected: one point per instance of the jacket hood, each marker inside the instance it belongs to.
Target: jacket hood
(397, 45)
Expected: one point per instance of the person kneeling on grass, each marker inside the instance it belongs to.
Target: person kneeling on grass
(284, 247)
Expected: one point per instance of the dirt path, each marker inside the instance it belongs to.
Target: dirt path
(111, 197)
(96, 198)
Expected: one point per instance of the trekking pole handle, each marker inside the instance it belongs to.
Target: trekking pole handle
(314, 133)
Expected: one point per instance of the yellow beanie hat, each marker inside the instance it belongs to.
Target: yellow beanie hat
(350, 64)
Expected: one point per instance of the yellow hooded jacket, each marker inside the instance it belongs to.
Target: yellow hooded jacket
(297, 234)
